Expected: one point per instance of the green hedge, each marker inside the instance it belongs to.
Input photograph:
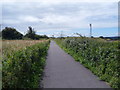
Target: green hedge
(100, 56)
(23, 68)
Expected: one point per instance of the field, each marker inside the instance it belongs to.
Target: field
(98, 55)
(23, 62)
(9, 46)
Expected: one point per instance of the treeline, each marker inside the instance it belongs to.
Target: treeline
(12, 34)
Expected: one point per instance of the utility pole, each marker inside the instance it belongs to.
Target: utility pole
(90, 30)
(61, 35)
(52, 36)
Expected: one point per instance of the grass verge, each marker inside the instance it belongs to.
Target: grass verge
(98, 55)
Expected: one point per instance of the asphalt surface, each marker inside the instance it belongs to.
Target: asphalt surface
(62, 71)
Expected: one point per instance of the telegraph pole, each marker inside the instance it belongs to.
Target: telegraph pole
(90, 30)
(52, 36)
(61, 34)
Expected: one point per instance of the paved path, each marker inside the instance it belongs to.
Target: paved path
(62, 71)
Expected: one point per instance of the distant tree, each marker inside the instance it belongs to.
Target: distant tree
(37, 37)
(101, 37)
(45, 36)
(30, 33)
(0, 33)
(79, 34)
(11, 33)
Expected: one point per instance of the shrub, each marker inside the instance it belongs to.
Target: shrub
(100, 56)
(23, 68)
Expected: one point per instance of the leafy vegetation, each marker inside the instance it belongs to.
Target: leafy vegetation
(22, 67)
(31, 34)
(100, 56)
(11, 33)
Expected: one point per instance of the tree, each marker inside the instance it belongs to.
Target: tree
(0, 33)
(101, 37)
(79, 34)
(11, 33)
(30, 33)
(45, 36)
(41, 36)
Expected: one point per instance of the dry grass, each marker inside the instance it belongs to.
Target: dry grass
(9, 46)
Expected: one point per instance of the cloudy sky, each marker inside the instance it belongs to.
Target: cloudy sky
(55, 16)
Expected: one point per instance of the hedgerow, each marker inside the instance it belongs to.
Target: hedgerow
(23, 68)
(100, 56)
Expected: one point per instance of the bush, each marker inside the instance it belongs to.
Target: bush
(11, 33)
(100, 56)
(23, 68)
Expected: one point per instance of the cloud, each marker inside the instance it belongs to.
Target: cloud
(29, 19)
(56, 16)
(55, 19)
(58, 1)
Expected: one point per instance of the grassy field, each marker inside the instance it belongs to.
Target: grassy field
(9, 46)
(23, 62)
(99, 55)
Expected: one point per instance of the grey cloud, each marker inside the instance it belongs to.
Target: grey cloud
(74, 15)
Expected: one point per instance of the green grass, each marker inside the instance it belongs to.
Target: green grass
(100, 56)
(23, 68)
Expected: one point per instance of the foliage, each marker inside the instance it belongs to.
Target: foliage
(31, 34)
(100, 56)
(101, 37)
(11, 33)
(0, 34)
(43, 36)
(23, 67)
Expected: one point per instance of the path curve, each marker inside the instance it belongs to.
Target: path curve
(62, 71)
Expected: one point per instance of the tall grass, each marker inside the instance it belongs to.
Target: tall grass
(9, 46)
(23, 63)
(100, 56)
